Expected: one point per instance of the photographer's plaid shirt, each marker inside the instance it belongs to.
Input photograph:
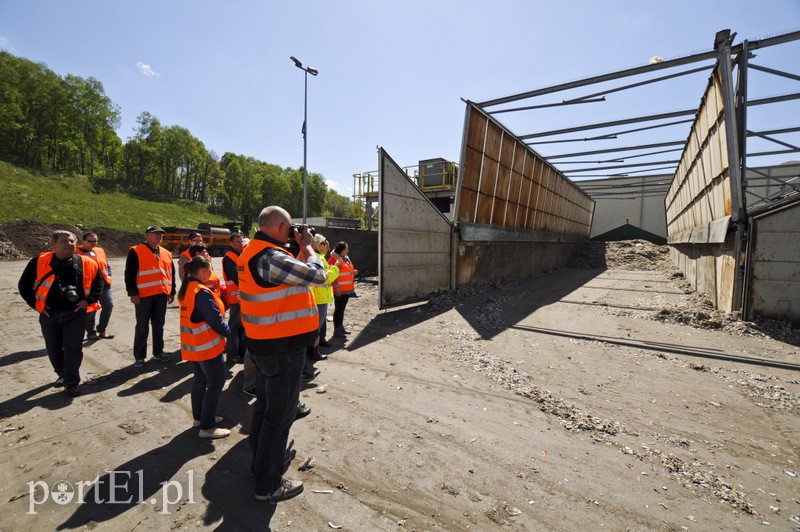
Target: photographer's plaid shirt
(280, 268)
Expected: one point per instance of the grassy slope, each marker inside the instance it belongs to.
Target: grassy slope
(59, 199)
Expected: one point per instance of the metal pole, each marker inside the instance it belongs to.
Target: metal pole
(305, 143)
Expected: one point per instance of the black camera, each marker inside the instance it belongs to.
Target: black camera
(70, 293)
(297, 230)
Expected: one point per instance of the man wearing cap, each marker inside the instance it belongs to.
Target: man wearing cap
(150, 282)
(183, 258)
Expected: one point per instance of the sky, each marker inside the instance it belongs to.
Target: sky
(391, 74)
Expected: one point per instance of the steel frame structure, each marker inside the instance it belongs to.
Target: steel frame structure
(734, 63)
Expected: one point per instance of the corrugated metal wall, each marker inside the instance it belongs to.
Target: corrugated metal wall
(700, 193)
(504, 183)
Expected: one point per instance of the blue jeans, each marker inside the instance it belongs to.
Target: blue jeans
(277, 395)
(63, 338)
(106, 306)
(209, 377)
(236, 339)
(150, 310)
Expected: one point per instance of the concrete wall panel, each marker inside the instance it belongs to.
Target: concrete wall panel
(774, 288)
(414, 241)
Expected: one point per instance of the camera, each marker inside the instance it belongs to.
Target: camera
(70, 293)
(296, 230)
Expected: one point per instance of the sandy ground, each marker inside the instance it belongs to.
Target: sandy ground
(556, 403)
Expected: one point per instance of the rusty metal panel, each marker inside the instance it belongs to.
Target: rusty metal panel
(414, 239)
(505, 183)
(700, 190)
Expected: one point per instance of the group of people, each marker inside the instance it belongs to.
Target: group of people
(277, 304)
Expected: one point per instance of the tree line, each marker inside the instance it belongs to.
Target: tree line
(68, 125)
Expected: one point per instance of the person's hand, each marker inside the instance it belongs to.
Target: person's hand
(305, 238)
(355, 272)
(170, 299)
(136, 300)
(81, 305)
(316, 342)
(44, 311)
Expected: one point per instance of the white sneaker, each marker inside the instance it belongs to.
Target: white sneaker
(215, 433)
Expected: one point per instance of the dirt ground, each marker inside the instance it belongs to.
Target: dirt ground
(581, 398)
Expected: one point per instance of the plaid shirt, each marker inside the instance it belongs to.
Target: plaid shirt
(277, 267)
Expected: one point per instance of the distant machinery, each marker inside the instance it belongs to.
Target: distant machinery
(435, 177)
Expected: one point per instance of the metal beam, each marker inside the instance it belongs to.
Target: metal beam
(632, 165)
(773, 131)
(695, 58)
(773, 71)
(613, 150)
(546, 105)
(599, 125)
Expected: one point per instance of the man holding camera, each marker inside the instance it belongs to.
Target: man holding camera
(61, 285)
(280, 320)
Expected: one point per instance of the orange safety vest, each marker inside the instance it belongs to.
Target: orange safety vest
(100, 257)
(273, 312)
(44, 279)
(233, 288)
(155, 273)
(215, 285)
(199, 342)
(346, 282)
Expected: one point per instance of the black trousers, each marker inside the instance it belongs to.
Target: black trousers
(63, 338)
(151, 311)
(277, 395)
(339, 304)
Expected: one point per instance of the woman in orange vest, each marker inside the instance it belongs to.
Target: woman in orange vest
(344, 287)
(203, 334)
(214, 283)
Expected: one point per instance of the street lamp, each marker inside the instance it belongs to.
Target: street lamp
(313, 71)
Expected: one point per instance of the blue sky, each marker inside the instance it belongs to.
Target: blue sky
(391, 74)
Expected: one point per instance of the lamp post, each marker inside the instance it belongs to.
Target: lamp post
(313, 71)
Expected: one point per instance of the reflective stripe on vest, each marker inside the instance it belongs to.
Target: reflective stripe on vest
(346, 281)
(43, 268)
(232, 295)
(199, 341)
(276, 311)
(99, 256)
(155, 273)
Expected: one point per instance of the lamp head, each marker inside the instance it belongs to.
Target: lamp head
(313, 71)
(297, 63)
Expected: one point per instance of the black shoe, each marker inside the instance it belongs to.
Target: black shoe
(161, 357)
(302, 411)
(310, 376)
(289, 488)
(316, 356)
(325, 343)
(59, 383)
(72, 391)
(238, 360)
(92, 337)
(139, 363)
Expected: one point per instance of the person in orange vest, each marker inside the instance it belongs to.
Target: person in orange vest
(93, 251)
(236, 347)
(61, 286)
(184, 257)
(344, 287)
(280, 321)
(214, 282)
(203, 333)
(150, 283)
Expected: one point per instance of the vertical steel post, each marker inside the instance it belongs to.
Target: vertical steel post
(305, 142)
(738, 215)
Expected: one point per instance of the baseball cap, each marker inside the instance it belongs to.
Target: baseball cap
(154, 229)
